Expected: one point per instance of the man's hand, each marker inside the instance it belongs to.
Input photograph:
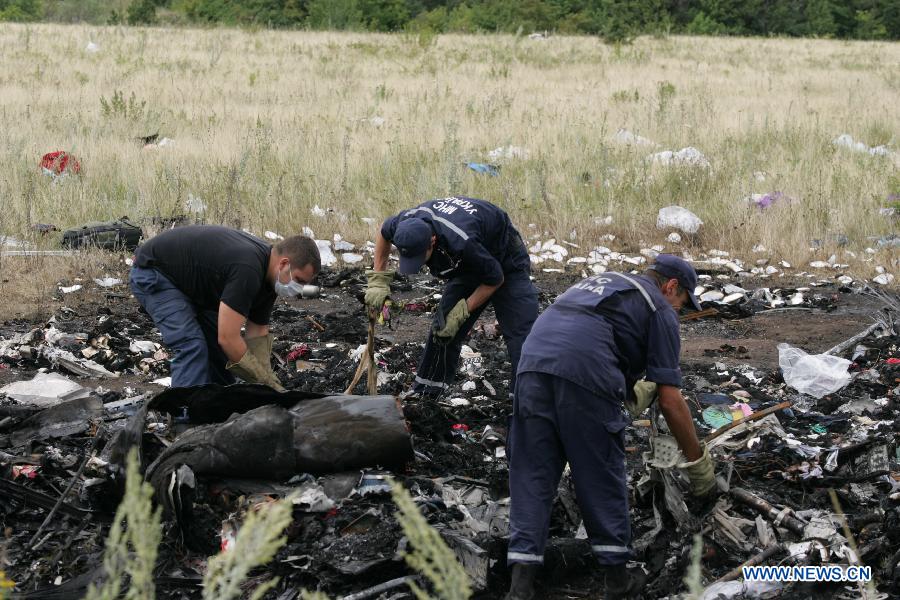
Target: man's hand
(261, 349)
(378, 288)
(453, 320)
(701, 473)
(250, 370)
(644, 395)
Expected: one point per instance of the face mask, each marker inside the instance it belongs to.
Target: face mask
(287, 290)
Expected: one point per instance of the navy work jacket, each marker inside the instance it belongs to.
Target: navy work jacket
(604, 333)
(475, 239)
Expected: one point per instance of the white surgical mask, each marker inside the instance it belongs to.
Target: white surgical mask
(290, 289)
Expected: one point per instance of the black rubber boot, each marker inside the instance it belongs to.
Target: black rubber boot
(522, 586)
(622, 583)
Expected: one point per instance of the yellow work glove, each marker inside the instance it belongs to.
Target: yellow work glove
(261, 348)
(454, 320)
(700, 472)
(644, 395)
(252, 371)
(378, 288)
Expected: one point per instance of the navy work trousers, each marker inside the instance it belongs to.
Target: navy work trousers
(554, 421)
(516, 306)
(190, 333)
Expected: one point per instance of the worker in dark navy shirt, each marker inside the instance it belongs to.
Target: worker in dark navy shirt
(580, 365)
(202, 284)
(473, 245)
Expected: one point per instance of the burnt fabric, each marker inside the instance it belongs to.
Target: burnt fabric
(556, 421)
(212, 264)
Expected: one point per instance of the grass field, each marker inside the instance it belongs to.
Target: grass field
(266, 125)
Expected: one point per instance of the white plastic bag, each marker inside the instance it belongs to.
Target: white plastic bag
(679, 218)
(813, 374)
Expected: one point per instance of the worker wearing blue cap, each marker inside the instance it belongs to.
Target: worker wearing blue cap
(580, 365)
(473, 245)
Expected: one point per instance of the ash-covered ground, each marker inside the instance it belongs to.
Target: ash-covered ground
(845, 441)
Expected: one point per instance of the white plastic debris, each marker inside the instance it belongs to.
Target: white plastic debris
(468, 386)
(814, 374)
(69, 289)
(46, 389)
(508, 152)
(678, 218)
(271, 235)
(686, 156)
(607, 220)
(163, 381)
(92, 48)
(342, 245)
(711, 296)
(317, 211)
(884, 279)
(195, 204)
(845, 140)
(141, 346)
(674, 238)
(351, 257)
(325, 253)
(623, 136)
(376, 122)
(819, 264)
(108, 282)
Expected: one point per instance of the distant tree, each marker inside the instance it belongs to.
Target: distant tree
(21, 10)
(384, 15)
(335, 14)
(820, 18)
(141, 12)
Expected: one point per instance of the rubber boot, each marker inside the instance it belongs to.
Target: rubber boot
(522, 586)
(622, 583)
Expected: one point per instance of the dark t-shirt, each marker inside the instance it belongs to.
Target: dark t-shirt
(213, 264)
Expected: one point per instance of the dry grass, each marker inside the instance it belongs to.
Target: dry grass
(269, 124)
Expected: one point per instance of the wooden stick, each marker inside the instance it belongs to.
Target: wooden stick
(372, 374)
(691, 316)
(752, 561)
(755, 416)
(367, 363)
(315, 323)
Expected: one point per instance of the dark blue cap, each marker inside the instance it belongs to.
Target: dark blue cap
(413, 239)
(674, 267)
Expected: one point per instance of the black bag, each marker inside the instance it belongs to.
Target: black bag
(110, 235)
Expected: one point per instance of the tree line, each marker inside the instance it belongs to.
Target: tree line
(614, 20)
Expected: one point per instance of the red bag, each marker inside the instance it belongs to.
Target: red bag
(59, 161)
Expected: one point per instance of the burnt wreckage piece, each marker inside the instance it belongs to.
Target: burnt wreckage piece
(255, 432)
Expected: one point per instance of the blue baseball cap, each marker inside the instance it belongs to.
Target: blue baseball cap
(674, 267)
(413, 239)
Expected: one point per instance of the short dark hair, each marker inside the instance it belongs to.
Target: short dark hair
(301, 251)
(660, 279)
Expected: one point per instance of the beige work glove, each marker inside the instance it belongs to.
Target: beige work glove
(644, 395)
(252, 371)
(261, 348)
(378, 288)
(454, 320)
(700, 472)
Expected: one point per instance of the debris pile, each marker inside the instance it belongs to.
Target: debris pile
(77, 393)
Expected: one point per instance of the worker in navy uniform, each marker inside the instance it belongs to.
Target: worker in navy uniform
(473, 245)
(581, 363)
(202, 284)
